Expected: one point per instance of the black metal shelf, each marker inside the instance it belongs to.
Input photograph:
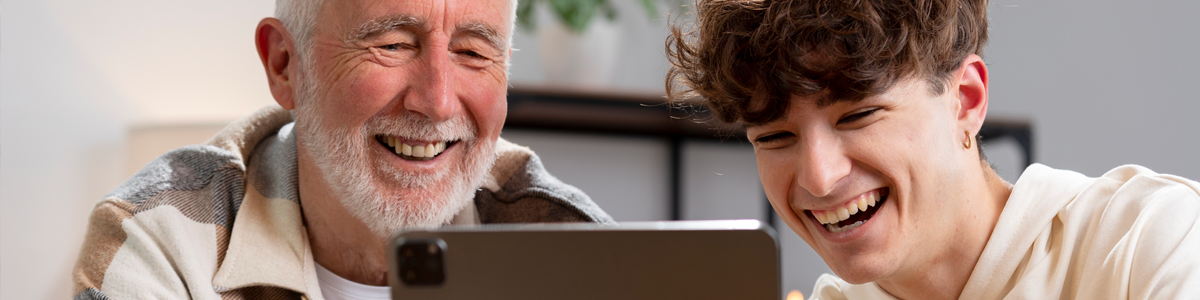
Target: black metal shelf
(649, 115)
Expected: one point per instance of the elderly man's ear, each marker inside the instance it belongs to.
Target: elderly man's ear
(275, 49)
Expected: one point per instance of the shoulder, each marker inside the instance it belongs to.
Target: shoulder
(1135, 182)
(210, 174)
(522, 191)
(185, 169)
(1137, 229)
(217, 167)
(1127, 207)
(1149, 207)
(1133, 195)
(164, 220)
(1091, 237)
(1122, 193)
(171, 219)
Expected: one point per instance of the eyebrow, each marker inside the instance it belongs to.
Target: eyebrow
(827, 99)
(483, 31)
(375, 27)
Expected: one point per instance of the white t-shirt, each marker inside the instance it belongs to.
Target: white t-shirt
(334, 287)
(1130, 234)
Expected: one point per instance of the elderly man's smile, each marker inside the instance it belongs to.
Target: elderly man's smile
(413, 150)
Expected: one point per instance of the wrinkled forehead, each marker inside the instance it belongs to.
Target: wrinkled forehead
(348, 17)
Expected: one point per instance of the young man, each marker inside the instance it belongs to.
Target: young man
(864, 116)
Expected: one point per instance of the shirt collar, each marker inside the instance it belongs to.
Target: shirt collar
(269, 244)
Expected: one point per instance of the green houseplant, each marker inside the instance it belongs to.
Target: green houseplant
(575, 15)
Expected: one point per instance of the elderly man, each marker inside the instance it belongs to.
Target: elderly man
(397, 107)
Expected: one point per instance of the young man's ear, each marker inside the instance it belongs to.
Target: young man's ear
(276, 50)
(971, 89)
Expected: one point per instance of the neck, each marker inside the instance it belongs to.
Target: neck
(944, 275)
(340, 242)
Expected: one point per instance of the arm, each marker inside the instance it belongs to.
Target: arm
(124, 258)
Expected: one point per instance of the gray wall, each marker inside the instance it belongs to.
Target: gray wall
(1104, 82)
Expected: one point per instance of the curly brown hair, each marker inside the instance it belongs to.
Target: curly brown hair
(746, 58)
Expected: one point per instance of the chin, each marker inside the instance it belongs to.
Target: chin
(858, 275)
(417, 208)
(859, 271)
(390, 201)
(858, 266)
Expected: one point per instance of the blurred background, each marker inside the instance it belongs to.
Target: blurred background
(91, 90)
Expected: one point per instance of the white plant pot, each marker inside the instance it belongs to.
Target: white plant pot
(581, 60)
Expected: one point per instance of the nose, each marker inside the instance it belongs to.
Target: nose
(434, 94)
(823, 163)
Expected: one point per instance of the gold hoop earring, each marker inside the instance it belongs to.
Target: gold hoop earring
(967, 144)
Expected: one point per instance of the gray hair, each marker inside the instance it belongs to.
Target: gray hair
(299, 17)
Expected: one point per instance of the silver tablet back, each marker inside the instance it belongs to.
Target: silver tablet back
(736, 259)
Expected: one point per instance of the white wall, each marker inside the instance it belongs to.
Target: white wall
(75, 76)
(642, 64)
(1105, 82)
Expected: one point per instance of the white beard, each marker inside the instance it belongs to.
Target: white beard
(382, 197)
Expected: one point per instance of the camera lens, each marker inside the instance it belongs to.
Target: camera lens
(422, 262)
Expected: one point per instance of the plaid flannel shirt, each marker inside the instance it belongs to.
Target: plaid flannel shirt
(222, 220)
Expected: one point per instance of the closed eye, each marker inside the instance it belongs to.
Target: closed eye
(472, 54)
(772, 137)
(473, 59)
(857, 116)
(395, 47)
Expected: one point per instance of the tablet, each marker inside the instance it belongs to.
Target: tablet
(735, 259)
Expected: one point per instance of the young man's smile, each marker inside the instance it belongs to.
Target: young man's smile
(851, 214)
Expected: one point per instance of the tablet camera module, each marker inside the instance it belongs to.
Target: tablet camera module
(421, 262)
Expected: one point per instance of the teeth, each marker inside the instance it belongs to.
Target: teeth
(839, 214)
(417, 151)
